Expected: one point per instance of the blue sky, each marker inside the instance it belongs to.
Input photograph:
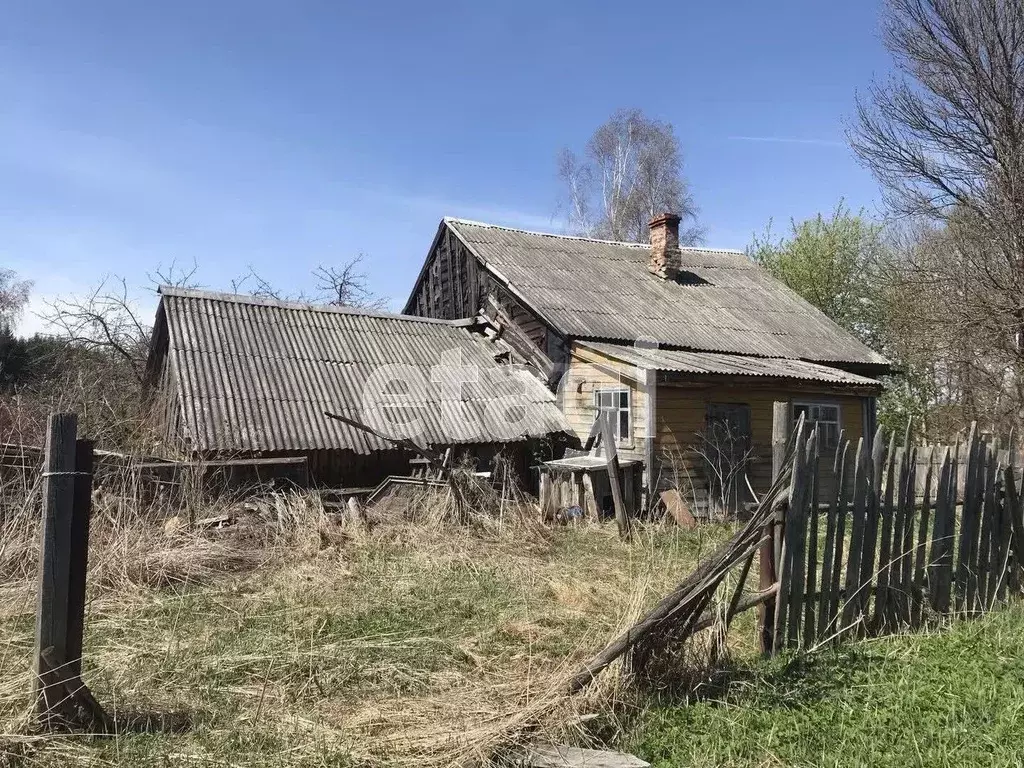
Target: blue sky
(280, 135)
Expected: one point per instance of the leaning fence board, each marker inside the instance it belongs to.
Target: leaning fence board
(851, 606)
(917, 595)
(988, 549)
(872, 511)
(1014, 504)
(813, 457)
(943, 534)
(800, 514)
(832, 556)
(789, 575)
(968, 516)
(903, 537)
(883, 520)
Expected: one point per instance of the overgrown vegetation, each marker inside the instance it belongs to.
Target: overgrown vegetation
(948, 698)
(290, 638)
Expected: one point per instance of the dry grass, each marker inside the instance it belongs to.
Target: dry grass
(433, 638)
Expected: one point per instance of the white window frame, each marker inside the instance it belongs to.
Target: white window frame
(811, 406)
(618, 410)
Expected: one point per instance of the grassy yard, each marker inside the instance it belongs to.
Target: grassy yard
(301, 642)
(951, 698)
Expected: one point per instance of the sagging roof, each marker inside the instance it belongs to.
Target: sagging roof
(254, 374)
(602, 290)
(717, 364)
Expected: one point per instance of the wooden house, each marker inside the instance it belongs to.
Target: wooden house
(686, 348)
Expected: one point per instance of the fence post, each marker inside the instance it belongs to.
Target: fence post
(768, 558)
(79, 554)
(54, 564)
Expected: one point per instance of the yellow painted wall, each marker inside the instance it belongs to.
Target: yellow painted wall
(681, 412)
(589, 371)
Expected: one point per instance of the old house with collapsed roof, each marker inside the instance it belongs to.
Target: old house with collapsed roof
(685, 348)
(242, 376)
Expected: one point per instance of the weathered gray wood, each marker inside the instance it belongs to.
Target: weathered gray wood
(612, 462)
(972, 529)
(832, 565)
(796, 537)
(787, 574)
(559, 756)
(988, 547)
(941, 557)
(872, 512)
(861, 482)
(883, 594)
(967, 519)
(907, 551)
(813, 457)
(917, 594)
(54, 564)
(769, 556)
(79, 554)
(1015, 509)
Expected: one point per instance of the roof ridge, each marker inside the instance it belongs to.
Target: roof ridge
(472, 223)
(267, 301)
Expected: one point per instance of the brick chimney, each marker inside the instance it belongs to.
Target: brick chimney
(665, 261)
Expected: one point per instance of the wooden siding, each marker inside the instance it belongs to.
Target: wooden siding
(682, 416)
(588, 372)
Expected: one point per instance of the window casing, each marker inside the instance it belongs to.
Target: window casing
(616, 403)
(826, 415)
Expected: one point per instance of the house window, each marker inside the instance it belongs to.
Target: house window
(826, 416)
(614, 402)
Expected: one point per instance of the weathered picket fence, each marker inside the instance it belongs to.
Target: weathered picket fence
(889, 549)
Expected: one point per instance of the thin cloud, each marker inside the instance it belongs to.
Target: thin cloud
(789, 140)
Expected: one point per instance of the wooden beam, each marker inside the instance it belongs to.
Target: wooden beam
(612, 462)
(54, 564)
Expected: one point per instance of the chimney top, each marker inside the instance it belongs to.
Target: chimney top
(666, 258)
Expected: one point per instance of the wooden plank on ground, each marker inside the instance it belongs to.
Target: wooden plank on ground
(677, 509)
(560, 756)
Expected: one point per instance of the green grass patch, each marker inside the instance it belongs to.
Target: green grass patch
(953, 697)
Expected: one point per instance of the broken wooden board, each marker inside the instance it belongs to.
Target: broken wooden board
(559, 756)
(677, 509)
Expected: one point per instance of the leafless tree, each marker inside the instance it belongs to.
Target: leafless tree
(632, 170)
(344, 286)
(106, 319)
(945, 138)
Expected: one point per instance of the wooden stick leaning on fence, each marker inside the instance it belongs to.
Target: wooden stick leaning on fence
(685, 604)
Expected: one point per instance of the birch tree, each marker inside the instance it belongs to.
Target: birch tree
(631, 170)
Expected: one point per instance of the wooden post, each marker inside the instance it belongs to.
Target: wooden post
(54, 564)
(612, 461)
(768, 557)
(81, 512)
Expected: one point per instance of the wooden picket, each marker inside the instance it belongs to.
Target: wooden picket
(907, 534)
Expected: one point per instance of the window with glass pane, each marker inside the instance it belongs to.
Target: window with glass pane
(826, 416)
(614, 402)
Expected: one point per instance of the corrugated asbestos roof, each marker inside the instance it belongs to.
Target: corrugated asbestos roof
(256, 375)
(596, 289)
(716, 364)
